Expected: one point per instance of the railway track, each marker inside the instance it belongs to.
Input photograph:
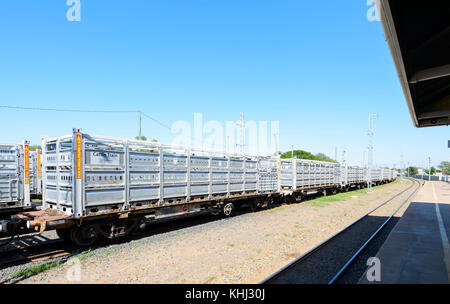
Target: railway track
(56, 248)
(329, 260)
(42, 251)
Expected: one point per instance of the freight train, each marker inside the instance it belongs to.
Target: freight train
(103, 187)
(20, 176)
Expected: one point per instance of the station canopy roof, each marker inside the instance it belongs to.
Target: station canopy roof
(418, 35)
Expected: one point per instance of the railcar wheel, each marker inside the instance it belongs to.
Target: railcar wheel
(291, 199)
(140, 225)
(263, 204)
(64, 234)
(228, 209)
(83, 236)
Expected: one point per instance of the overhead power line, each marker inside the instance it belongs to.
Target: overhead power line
(157, 121)
(83, 111)
(65, 110)
(93, 111)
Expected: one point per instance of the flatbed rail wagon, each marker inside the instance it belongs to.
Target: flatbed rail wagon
(101, 186)
(97, 186)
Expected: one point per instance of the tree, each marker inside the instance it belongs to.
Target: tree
(323, 157)
(141, 138)
(301, 154)
(433, 171)
(445, 167)
(413, 170)
(34, 148)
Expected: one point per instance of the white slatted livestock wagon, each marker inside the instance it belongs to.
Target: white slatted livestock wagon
(14, 176)
(303, 175)
(352, 176)
(101, 186)
(374, 174)
(92, 177)
(35, 174)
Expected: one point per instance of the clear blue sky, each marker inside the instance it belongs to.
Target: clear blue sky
(318, 67)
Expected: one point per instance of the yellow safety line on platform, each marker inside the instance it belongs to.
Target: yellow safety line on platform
(444, 238)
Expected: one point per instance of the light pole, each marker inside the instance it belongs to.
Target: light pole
(241, 125)
(429, 168)
(275, 138)
(402, 165)
(423, 172)
(370, 152)
(139, 124)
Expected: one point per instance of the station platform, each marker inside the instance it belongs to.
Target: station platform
(417, 250)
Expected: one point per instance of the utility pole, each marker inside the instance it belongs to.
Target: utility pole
(402, 165)
(292, 151)
(241, 125)
(407, 170)
(276, 143)
(423, 172)
(370, 152)
(335, 154)
(429, 168)
(139, 120)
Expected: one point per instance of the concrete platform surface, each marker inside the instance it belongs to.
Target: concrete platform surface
(417, 250)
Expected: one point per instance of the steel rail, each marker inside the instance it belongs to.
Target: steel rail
(320, 245)
(350, 261)
(28, 252)
(36, 257)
